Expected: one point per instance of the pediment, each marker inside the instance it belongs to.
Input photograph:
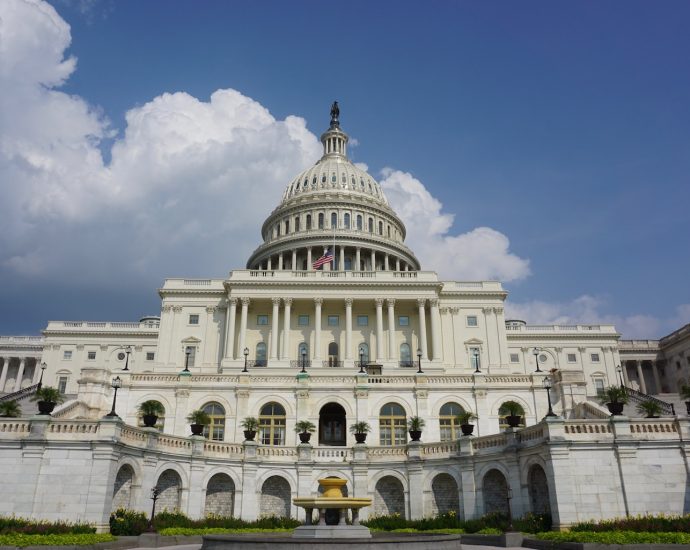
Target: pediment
(473, 341)
(191, 340)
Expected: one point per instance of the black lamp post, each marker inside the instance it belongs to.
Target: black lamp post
(116, 384)
(547, 386)
(40, 380)
(419, 361)
(186, 360)
(128, 350)
(619, 370)
(155, 492)
(361, 361)
(304, 360)
(475, 353)
(536, 351)
(246, 354)
(509, 496)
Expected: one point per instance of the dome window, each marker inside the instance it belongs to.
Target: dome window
(313, 180)
(371, 225)
(344, 178)
(287, 226)
(361, 183)
(320, 221)
(334, 220)
(380, 228)
(308, 222)
(304, 185)
(323, 178)
(346, 221)
(297, 225)
(359, 222)
(334, 178)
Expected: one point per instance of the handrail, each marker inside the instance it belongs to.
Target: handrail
(21, 394)
(639, 397)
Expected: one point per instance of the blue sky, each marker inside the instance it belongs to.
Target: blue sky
(561, 128)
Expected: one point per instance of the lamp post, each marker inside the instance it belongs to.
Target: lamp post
(419, 361)
(509, 496)
(246, 354)
(475, 354)
(187, 353)
(304, 360)
(547, 386)
(535, 352)
(40, 380)
(619, 370)
(155, 492)
(116, 384)
(128, 350)
(361, 361)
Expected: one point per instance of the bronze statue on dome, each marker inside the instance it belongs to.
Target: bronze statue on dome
(335, 114)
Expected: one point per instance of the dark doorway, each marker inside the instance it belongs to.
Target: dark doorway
(332, 425)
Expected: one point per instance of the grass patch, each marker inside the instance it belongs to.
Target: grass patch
(191, 531)
(617, 537)
(64, 539)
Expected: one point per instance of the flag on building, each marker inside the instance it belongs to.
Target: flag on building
(326, 258)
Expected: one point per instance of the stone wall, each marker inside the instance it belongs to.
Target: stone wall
(220, 496)
(275, 497)
(170, 485)
(495, 491)
(444, 495)
(389, 497)
(123, 487)
(538, 489)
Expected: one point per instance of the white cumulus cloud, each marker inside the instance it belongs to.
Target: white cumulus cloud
(482, 253)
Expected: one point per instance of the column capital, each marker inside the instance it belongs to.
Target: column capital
(318, 301)
(245, 301)
(166, 308)
(433, 302)
(276, 301)
(498, 310)
(348, 302)
(232, 301)
(487, 310)
(390, 302)
(287, 301)
(379, 302)
(454, 310)
(177, 309)
(421, 302)
(211, 309)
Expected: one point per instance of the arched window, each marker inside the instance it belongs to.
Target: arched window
(405, 355)
(448, 422)
(297, 224)
(215, 430)
(308, 221)
(321, 221)
(272, 424)
(333, 354)
(371, 225)
(363, 352)
(260, 355)
(504, 411)
(278, 230)
(287, 226)
(380, 228)
(392, 425)
(389, 231)
(334, 220)
(346, 221)
(359, 222)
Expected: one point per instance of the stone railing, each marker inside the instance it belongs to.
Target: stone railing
(653, 428)
(562, 328)
(89, 326)
(15, 426)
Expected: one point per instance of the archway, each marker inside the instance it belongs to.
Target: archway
(220, 496)
(444, 490)
(389, 497)
(170, 486)
(122, 493)
(275, 497)
(538, 490)
(495, 489)
(332, 425)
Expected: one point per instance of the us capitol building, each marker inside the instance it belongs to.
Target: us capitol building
(369, 336)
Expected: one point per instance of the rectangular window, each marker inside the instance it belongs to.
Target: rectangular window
(62, 384)
(193, 319)
(362, 320)
(262, 319)
(91, 355)
(595, 357)
(191, 350)
(572, 358)
(333, 320)
(303, 320)
(67, 355)
(150, 355)
(471, 320)
(403, 321)
(514, 358)
(599, 385)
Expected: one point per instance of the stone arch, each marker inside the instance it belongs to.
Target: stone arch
(220, 496)
(122, 491)
(275, 497)
(389, 497)
(332, 425)
(510, 397)
(495, 492)
(445, 495)
(538, 488)
(170, 487)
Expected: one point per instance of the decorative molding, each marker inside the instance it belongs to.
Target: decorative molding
(487, 310)
(433, 302)
(232, 301)
(177, 309)
(558, 349)
(480, 393)
(421, 394)
(454, 310)
(181, 393)
(361, 393)
(498, 310)
(80, 347)
(421, 302)
(379, 302)
(166, 309)
(245, 301)
(444, 310)
(242, 393)
(275, 301)
(211, 309)
(348, 302)
(287, 301)
(318, 300)
(302, 394)
(390, 302)
(104, 347)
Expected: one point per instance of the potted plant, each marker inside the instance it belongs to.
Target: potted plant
(150, 411)
(305, 428)
(685, 394)
(10, 409)
(465, 418)
(360, 431)
(47, 398)
(415, 425)
(198, 420)
(615, 398)
(250, 425)
(649, 407)
(513, 412)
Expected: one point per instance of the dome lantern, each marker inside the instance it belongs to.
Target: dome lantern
(334, 139)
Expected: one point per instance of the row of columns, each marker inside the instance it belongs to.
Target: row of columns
(21, 368)
(281, 260)
(285, 352)
(640, 374)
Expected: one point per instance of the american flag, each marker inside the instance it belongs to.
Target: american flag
(326, 258)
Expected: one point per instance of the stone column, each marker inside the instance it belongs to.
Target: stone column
(274, 328)
(3, 376)
(422, 327)
(435, 329)
(230, 329)
(392, 348)
(640, 375)
(280, 261)
(20, 375)
(357, 258)
(286, 329)
(373, 260)
(243, 325)
(341, 261)
(624, 366)
(270, 264)
(293, 266)
(316, 352)
(657, 378)
(397, 264)
(380, 354)
(385, 262)
(348, 329)
(308, 258)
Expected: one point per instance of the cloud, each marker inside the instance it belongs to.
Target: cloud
(587, 309)
(482, 253)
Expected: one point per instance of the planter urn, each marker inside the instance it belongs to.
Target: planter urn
(513, 420)
(149, 420)
(46, 407)
(415, 435)
(467, 429)
(249, 435)
(615, 409)
(197, 429)
(360, 438)
(304, 437)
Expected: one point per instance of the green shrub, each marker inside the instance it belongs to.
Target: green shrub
(489, 531)
(648, 523)
(166, 520)
(192, 531)
(63, 539)
(127, 523)
(617, 537)
(13, 524)
(489, 524)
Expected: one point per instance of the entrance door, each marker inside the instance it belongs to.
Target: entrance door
(332, 425)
